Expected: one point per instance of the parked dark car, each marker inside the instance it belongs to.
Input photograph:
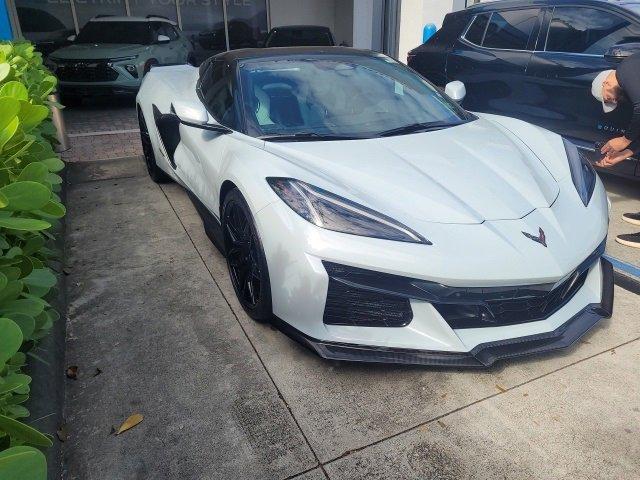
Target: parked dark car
(535, 60)
(300, 36)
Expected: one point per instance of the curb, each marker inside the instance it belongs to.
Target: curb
(46, 402)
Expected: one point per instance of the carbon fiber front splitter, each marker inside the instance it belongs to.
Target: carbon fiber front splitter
(483, 355)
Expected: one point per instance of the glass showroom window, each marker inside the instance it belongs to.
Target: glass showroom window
(87, 9)
(247, 22)
(46, 23)
(164, 8)
(203, 23)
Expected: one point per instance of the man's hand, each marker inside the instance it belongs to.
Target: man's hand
(615, 145)
(612, 159)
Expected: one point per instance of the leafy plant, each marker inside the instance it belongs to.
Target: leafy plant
(30, 212)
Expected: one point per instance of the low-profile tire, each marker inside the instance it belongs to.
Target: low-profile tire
(246, 260)
(155, 172)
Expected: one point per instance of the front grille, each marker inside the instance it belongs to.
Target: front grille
(510, 305)
(346, 305)
(362, 297)
(85, 71)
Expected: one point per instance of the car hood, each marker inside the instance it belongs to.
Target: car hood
(92, 51)
(466, 174)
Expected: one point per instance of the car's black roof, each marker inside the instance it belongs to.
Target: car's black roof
(301, 27)
(502, 4)
(249, 53)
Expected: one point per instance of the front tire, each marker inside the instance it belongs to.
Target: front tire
(155, 172)
(246, 260)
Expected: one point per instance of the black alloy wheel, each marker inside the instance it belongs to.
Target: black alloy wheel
(155, 172)
(245, 258)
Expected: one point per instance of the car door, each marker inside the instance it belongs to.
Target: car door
(570, 53)
(199, 155)
(491, 58)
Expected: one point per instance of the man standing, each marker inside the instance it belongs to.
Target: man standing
(612, 87)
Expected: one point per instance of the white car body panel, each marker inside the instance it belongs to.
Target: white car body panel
(472, 190)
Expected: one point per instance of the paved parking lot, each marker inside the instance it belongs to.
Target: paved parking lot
(102, 129)
(223, 397)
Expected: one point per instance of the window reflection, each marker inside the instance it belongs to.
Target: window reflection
(163, 8)
(46, 23)
(203, 23)
(87, 9)
(247, 22)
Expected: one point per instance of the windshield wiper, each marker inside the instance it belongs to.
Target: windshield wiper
(302, 136)
(418, 127)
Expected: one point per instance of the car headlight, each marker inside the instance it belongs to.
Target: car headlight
(582, 172)
(332, 212)
(132, 69)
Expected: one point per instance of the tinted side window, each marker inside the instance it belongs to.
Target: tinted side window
(587, 30)
(510, 29)
(475, 33)
(217, 93)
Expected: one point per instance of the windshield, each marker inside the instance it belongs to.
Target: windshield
(340, 95)
(116, 32)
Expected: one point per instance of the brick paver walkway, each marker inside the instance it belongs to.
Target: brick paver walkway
(101, 131)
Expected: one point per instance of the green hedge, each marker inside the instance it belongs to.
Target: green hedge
(30, 211)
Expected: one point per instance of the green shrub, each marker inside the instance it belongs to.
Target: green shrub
(30, 210)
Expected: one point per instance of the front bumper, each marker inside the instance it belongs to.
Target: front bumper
(95, 78)
(484, 354)
(92, 89)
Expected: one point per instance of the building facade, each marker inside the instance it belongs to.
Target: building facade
(389, 26)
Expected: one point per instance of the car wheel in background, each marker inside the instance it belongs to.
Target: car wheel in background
(246, 260)
(155, 172)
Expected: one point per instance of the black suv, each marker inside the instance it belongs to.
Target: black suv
(535, 60)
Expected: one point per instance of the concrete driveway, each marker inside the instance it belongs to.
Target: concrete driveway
(151, 307)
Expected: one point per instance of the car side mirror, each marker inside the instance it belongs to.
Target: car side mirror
(456, 90)
(619, 52)
(193, 114)
(71, 38)
(163, 39)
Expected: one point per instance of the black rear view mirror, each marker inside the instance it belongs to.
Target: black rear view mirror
(619, 52)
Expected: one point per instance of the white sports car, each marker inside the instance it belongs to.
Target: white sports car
(370, 217)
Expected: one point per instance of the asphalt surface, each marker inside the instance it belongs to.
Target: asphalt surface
(151, 307)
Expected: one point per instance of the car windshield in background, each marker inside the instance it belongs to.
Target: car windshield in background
(290, 37)
(116, 32)
(341, 96)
